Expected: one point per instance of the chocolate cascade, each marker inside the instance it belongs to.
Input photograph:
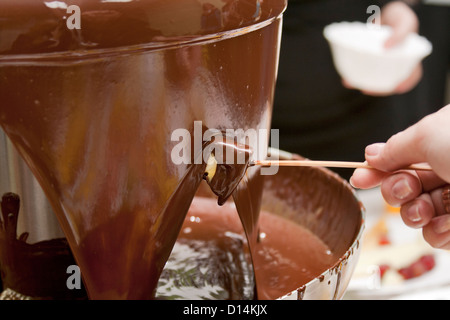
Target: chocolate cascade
(211, 257)
(244, 184)
(92, 112)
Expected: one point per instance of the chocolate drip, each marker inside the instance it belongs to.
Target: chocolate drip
(10, 213)
(36, 270)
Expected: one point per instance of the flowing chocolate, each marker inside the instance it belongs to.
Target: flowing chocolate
(287, 256)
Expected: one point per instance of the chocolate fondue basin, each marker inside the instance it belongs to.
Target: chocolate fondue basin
(92, 111)
(310, 227)
(325, 205)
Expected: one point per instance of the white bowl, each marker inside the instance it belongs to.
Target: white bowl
(361, 59)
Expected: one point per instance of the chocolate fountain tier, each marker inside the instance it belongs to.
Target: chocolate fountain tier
(30, 26)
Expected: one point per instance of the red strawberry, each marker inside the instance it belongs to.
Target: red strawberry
(418, 268)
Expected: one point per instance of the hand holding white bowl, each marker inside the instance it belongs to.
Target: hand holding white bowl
(380, 61)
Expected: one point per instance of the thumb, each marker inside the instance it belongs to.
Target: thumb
(399, 151)
(425, 141)
(399, 33)
(402, 19)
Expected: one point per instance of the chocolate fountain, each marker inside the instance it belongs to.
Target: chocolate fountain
(91, 96)
(91, 109)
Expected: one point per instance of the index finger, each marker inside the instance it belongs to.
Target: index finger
(366, 178)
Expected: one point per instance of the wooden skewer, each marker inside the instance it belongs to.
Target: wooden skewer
(330, 164)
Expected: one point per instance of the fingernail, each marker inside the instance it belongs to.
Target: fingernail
(413, 214)
(441, 224)
(352, 183)
(374, 149)
(401, 189)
